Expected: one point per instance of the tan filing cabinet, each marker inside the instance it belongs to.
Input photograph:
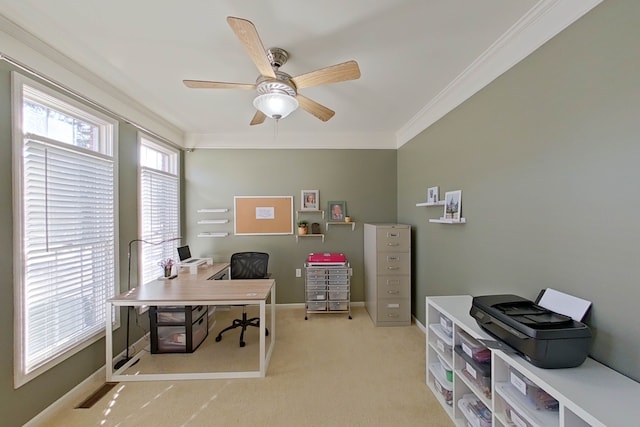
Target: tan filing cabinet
(387, 273)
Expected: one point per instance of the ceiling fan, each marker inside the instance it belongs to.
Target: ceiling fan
(277, 91)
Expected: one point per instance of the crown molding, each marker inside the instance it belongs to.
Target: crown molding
(543, 22)
(291, 140)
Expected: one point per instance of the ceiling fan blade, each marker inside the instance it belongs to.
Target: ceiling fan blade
(248, 36)
(205, 84)
(258, 118)
(312, 107)
(336, 73)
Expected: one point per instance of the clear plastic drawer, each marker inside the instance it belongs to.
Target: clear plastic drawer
(338, 305)
(338, 295)
(316, 305)
(316, 295)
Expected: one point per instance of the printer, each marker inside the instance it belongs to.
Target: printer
(545, 338)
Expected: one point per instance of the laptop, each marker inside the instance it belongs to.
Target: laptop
(184, 253)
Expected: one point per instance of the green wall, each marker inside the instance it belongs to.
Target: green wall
(365, 179)
(547, 160)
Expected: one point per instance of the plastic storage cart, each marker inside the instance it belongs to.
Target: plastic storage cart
(327, 289)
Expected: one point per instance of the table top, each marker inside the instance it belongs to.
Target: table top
(189, 289)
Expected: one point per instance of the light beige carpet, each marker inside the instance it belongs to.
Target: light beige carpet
(325, 371)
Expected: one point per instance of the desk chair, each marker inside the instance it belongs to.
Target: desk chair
(246, 265)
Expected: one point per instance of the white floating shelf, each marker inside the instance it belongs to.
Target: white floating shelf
(213, 221)
(449, 221)
(440, 203)
(207, 234)
(213, 210)
(310, 235)
(352, 224)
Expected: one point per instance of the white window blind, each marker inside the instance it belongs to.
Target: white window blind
(159, 207)
(69, 257)
(67, 206)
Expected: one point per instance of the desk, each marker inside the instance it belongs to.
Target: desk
(194, 289)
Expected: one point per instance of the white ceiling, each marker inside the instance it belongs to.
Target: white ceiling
(418, 58)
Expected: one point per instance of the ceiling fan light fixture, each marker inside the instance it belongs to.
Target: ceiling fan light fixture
(276, 105)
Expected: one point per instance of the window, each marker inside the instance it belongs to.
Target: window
(159, 206)
(65, 208)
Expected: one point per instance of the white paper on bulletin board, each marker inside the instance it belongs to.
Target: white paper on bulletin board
(265, 213)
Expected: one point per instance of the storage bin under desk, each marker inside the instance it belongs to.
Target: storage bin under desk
(178, 329)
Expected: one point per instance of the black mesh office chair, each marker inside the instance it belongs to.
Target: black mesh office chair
(246, 265)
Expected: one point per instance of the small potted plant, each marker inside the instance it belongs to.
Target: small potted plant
(303, 227)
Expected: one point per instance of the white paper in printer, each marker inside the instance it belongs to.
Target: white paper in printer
(566, 304)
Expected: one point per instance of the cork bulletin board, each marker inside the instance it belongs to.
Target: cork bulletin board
(263, 215)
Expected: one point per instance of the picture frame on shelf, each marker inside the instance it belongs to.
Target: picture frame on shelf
(337, 210)
(432, 195)
(309, 200)
(453, 205)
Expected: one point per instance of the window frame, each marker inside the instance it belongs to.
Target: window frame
(108, 135)
(173, 169)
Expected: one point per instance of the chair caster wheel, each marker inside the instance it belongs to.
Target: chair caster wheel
(242, 344)
(305, 317)
(266, 332)
(218, 338)
(350, 317)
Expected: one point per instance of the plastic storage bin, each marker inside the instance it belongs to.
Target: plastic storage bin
(338, 292)
(445, 390)
(474, 349)
(316, 295)
(537, 396)
(478, 373)
(447, 326)
(443, 346)
(476, 413)
(514, 417)
(177, 314)
(176, 339)
(338, 305)
(317, 305)
(447, 372)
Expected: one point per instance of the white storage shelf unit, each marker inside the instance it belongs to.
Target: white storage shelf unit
(589, 395)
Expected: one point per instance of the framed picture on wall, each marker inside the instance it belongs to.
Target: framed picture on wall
(453, 205)
(310, 200)
(337, 210)
(432, 195)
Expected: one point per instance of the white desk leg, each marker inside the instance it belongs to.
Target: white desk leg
(108, 344)
(263, 338)
(273, 319)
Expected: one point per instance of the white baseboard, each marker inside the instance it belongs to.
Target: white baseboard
(420, 325)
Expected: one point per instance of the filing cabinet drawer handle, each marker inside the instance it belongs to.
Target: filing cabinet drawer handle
(393, 258)
(393, 234)
(393, 292)
(392, 315)
(393, 305)
(393, 282)
(393, 268)
(393, 244)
